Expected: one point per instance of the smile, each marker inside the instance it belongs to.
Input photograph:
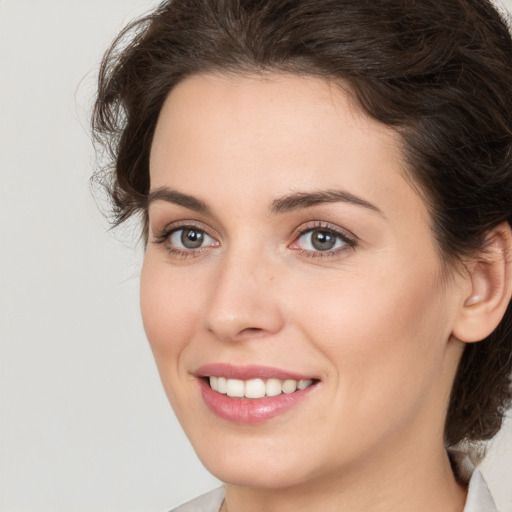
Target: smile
(252, 394)
(257, 388)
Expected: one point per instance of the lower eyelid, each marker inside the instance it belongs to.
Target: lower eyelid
(180, 253)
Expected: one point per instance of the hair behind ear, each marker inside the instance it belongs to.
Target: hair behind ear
(482, 390)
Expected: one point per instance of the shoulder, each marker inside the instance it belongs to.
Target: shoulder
(209, 502)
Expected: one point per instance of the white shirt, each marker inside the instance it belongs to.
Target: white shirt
(479, 497)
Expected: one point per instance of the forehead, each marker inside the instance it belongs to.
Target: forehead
(261, 136)
(266, 103)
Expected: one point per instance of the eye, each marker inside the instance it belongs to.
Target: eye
(184, 240)
(322, 241)
(190, 238)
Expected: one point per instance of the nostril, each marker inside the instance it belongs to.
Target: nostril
(250, 331)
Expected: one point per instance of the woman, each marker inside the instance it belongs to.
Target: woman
(325, 188)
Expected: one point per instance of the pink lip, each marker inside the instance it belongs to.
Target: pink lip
(249, 410)
(247, 372)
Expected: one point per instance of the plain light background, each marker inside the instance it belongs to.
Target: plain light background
(84, 423)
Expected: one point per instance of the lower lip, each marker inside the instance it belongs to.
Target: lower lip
(250, 410)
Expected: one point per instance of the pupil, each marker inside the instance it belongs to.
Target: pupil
(191, 238)
(323, 240)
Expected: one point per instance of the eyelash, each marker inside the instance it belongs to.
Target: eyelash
(349, 240)
(163, 238)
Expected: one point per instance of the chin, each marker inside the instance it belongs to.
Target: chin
(257, 463)
(272, 475)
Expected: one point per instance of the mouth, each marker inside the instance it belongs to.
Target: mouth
(252, 394)
(256, 388)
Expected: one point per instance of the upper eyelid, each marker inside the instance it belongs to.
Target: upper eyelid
(171, 227)
(338, 230)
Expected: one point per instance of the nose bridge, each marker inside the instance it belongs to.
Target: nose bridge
(243, 300)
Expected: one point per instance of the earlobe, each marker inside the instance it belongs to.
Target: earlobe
(490, 276)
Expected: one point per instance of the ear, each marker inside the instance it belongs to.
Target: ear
(490, 288)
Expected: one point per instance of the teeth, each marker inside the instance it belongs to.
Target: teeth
(289, 386)
(303, 384)
(274, 387)
(222, 385)
(235, 388)
(256, 388)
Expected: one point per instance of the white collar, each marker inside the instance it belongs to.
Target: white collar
(479, 496)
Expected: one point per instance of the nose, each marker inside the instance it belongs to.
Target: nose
(243, 301)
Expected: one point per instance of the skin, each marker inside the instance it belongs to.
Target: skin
(373, 322)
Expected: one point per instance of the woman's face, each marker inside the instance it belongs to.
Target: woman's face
(285, 244)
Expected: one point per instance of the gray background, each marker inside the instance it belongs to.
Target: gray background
(84, 424)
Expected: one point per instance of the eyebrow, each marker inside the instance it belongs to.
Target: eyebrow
(299, 200)
(172, 196)
(290, 202)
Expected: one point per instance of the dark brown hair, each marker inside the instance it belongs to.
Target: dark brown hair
(437, 71)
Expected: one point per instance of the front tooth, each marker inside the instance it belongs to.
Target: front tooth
(214, 384)
(222, 385)
(289, 386)
(303, 384)
(254, 388)
(273, 387)
(235, 388)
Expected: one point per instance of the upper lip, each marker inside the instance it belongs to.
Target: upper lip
(247, 372)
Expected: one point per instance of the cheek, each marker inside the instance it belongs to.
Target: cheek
(169, 310)
(384, 334)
